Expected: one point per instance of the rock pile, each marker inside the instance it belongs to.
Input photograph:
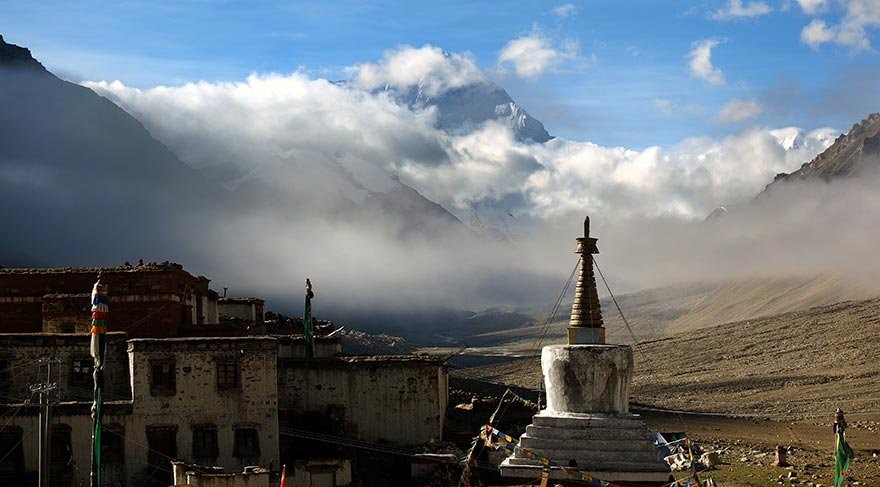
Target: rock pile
(356, 342)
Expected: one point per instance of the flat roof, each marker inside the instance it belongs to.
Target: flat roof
(145, 267)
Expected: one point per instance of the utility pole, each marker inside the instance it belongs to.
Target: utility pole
(45, 390)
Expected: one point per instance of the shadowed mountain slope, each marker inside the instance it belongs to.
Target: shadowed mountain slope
(84, 181)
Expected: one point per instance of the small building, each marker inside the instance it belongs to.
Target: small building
(148, 300)
(210, 401)
(195, 378)
(249, 310)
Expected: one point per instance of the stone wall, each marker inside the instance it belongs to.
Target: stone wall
(75, 419)
(248, 309)
(194, 475)
(197, 399)
(21, 354)
(294, 346)
(400, 400)
(305, 473)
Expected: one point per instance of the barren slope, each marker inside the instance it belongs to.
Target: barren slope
(649, 313)
(790, 366)
(746, 299)
(800, 363)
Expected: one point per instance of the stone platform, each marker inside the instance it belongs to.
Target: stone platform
(587, 424)
(606, 447)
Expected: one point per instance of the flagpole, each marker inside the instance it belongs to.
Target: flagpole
(308, 326)
(843, 454)
(97, 347)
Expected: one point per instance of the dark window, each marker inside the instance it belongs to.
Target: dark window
(204, 445)
(113, 444)
(162, 377)
(246, 446)
(61, 463)
(227, 374)
(5, 379)
(11, 456)
(81, 371)
(162, 444)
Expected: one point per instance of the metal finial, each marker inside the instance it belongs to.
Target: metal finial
(587, 227)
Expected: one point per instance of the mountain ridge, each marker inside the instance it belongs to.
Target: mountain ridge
(464, 109)
(849, 155)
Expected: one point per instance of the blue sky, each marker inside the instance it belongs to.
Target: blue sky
(622, 74)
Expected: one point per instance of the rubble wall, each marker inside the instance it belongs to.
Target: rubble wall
(401, 400)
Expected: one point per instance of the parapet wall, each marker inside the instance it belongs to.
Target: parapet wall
(400, 400)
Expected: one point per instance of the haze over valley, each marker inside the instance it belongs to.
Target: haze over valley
(416, 191)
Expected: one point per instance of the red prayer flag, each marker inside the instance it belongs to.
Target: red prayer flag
(283, 476)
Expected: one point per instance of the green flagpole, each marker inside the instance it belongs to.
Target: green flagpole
(100, 313)
(843, 454)
(307, 321)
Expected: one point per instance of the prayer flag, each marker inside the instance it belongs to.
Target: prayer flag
(843, 456)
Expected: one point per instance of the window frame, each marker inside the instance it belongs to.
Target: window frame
(78, 378)
(202, 452)
(164, 389)
(238, 433)
(221, 368)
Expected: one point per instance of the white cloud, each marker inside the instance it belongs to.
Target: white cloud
(739, 110)
(700, 61)
(735, 9)
(533, 54)
(562, 176)
(813, 6)
(429, 67)
(816, 33)
(852, 31)
(565, 10)
(272, 127)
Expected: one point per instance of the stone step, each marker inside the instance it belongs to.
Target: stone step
(542, 442)
(640, 433)
(586, 421)
(586, 457)
(599, 466)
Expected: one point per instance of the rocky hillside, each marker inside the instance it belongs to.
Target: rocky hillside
(660, 312)
(801, 363)
(789, 366)
(850, 154)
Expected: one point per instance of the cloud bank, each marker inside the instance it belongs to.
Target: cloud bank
(283, 120)
(289, 133)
